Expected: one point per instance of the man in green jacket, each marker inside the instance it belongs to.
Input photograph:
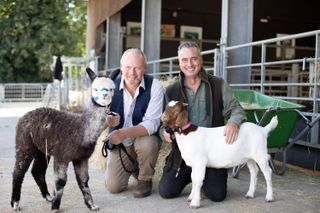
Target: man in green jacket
(210, 104)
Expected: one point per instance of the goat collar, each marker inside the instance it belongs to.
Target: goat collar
(186, 129)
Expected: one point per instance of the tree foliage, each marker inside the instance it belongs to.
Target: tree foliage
(33, 31)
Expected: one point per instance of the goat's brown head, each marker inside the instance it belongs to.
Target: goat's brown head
(175, 115)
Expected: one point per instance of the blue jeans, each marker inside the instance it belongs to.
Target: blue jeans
(214, 184)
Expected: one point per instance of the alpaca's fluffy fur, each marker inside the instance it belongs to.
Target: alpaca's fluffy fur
(68, 137)
(206, 147)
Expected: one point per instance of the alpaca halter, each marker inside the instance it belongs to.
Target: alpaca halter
(97, 104)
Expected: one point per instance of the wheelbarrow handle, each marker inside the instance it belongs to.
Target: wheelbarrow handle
(264, 116)
(273, 109)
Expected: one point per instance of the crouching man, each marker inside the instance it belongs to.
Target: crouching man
(138, 104)
(210, 102)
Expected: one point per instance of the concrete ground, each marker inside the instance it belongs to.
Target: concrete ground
(297, 191)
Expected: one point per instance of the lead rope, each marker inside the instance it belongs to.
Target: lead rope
(174, 147)
(134, 162)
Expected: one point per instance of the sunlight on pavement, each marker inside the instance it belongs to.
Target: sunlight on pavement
(17, 109)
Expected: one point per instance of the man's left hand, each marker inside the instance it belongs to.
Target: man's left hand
(231, 132)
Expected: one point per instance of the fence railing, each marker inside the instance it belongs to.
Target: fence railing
(301, 82)
(11, 92)
(295, 79)
(270, 74)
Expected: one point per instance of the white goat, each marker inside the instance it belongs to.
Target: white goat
(202, 147)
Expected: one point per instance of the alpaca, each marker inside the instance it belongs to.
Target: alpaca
(202, 147)
(46, 132)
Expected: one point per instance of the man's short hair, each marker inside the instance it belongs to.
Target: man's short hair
(135, 50)
(188, 44)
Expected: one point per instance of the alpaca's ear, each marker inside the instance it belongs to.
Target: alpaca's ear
(91, 74)
(113, 75)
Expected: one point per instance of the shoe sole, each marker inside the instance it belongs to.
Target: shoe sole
(141, 195)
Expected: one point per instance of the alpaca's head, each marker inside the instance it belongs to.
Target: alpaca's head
(175, 114)
(102, 88)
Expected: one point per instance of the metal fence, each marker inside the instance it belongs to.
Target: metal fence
(13, 92)
(295, 78)
(297, 75)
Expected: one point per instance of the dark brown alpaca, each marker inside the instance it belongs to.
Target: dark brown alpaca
(68, 137)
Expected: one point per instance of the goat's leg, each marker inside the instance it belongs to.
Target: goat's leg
(253, 169)
(197, 177)
(82, 175)
(38, 171)
(267, 172)
(60, 179)
(23, 161)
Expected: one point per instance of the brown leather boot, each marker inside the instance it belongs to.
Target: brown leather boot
(143, 189)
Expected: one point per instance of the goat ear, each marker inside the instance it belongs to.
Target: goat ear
(114, 74)
(91, 74)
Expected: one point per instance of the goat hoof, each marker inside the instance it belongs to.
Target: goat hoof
(95, 208)
(249, 196)
(269, 200)
(194, 206)
(55, 211)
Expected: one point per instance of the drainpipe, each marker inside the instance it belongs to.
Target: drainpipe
(143, 24)
(223, 38)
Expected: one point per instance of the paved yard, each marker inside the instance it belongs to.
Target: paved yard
(298, 190)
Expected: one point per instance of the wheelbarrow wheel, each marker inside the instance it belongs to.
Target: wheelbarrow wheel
(276, 169)
(235, 171)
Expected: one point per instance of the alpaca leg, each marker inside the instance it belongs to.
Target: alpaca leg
(23, 161)
(60, 179)
(197, 176)
(82, 175)
(38, 171)
(253, 169)
(267, 172)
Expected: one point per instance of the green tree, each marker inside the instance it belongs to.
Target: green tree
(32, 31)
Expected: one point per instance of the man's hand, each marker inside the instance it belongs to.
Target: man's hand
(113, 120)
(166, 136)
(231, 132)
(115, 137)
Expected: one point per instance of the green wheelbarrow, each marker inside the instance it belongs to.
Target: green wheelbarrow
(260, 109)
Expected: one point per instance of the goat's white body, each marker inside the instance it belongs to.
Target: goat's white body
(206, 147)
(210, 143)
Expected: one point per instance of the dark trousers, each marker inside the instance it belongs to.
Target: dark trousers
(214, 184)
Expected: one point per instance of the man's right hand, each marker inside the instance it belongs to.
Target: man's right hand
(166, 136)
(113, 120)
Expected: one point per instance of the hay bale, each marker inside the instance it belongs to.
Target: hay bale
(97, 161)
(164, 151)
